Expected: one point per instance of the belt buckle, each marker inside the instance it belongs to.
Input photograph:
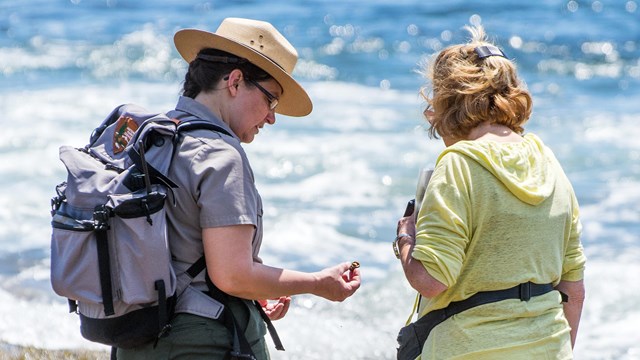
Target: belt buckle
(525, 291)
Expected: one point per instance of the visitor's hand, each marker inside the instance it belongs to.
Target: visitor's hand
(277, 310)
(407, 223)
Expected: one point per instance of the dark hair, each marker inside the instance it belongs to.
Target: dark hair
(203, 74)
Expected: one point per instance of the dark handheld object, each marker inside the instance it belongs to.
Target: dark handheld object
(354, 265)
(410, 207)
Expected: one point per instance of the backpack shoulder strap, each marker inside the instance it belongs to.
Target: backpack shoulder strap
(166, 125)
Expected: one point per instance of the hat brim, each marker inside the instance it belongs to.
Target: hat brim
(294, 100)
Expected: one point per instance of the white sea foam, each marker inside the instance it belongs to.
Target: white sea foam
(42, 324)
(609, 324)
(142, 53)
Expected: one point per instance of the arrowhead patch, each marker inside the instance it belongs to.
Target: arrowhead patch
(125, 129)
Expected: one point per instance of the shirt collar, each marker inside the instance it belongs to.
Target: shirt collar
(188, 107)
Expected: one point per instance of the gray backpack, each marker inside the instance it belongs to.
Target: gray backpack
(109, 250)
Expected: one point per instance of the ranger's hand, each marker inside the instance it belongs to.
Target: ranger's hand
(277, 310)
(338, 282)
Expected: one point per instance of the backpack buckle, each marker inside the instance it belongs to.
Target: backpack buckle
(239, 355)
(60, 197)
(101, 218)
(55, 204)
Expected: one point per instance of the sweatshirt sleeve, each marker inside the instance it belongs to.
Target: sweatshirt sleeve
(574, 258)
(443, 223)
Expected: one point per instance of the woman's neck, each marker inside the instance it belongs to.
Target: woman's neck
(487, 132)
(212, 102)
(493, 132)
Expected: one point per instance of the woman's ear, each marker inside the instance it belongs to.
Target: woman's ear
(233, 80)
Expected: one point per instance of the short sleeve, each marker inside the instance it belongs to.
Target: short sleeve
(224, 186)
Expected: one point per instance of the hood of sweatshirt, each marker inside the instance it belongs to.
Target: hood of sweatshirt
(526, 168)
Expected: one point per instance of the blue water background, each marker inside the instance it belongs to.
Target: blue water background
(335, 182)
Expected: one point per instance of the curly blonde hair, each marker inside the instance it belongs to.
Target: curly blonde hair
(467, 90)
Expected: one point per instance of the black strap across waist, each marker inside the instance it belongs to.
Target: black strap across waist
(241, 347)
(524, 292)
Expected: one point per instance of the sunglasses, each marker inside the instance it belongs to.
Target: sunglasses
(273, 101)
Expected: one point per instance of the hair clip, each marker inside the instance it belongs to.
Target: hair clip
(221, 59)
(489, 50)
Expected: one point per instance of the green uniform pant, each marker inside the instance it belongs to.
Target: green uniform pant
(195, 337)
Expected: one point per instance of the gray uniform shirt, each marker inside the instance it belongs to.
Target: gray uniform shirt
(216, 188)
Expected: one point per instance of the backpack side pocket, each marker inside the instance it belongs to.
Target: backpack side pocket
(141, 251)
(74, 256)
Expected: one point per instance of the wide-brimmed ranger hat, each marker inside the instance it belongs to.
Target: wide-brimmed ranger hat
(262, 45)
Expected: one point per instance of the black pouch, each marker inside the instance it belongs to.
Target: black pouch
(409, 344)
(412, 337)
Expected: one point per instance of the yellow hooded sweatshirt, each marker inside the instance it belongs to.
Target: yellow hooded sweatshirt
(496, 215)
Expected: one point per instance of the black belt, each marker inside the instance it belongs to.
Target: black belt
(423, 326)
(523, 292)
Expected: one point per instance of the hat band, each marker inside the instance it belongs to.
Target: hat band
(221, 59)
(231, 60)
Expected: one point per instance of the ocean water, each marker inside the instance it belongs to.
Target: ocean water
(333, 183)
